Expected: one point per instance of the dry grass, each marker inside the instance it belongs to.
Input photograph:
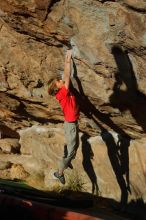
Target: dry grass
(74, 183)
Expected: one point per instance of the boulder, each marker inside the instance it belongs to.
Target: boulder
(9, 145)
(109, 52)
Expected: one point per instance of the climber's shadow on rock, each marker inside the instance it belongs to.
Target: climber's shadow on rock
(126, 95)
(87, 163)
(119, 159)
(88, 108)
(118, 153)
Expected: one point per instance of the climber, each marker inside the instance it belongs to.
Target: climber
(62, 90)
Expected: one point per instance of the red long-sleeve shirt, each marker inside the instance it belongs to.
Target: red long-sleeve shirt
(68, 104)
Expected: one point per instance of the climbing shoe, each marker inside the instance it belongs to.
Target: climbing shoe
(60, 177)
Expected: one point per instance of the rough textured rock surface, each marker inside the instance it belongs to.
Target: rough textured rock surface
(109, 50)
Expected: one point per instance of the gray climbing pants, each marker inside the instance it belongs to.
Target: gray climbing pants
(72, 143)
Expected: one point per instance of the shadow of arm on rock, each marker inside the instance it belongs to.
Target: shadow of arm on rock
(130, 98)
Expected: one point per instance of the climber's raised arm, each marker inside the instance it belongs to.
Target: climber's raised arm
(67, 68)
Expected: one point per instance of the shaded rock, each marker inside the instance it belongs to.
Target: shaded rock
(7, 132)
(27, 8)
(8, 103)
(137, 5)
(4, 165)
(42, 7)
(8, 145)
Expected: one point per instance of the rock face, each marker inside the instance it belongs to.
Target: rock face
(109, 52)
(107, 165)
